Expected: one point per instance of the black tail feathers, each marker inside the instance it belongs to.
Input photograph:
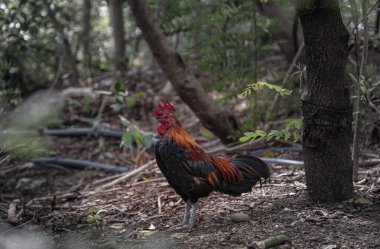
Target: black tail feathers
(252, 170)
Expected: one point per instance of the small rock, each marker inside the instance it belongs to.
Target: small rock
(239, 217)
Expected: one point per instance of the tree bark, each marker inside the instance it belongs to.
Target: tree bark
(325, 103)
(377, 20)
(65, 42)
(212, 116)
(86, 36)
(117, 25)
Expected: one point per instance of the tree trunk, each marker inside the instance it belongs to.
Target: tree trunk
(65, 42)
(212, 116)
(377, 20)
(86, 36)
(325, 103)
(284, 28)
(117, 25)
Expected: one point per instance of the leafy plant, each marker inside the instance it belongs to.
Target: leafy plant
(291, 131)
(134, 134)
(261, 84)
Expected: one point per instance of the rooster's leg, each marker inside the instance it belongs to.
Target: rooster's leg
(193, 214)
(189, 218)
(186, 217)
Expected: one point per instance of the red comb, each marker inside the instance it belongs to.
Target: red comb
(164, 108)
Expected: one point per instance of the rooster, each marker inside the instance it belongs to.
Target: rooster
(192, 172)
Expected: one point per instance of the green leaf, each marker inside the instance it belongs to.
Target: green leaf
(124, 121)
(353, 78)
(90, 219)
(296, 136)
(119, 87)
(261, 133)
(287, 135)
(276, 133)
(138, 137)
(245, 139)
(148, 141)
(207, 134)
(127, 139)
(97, 217)
(296, 123)
(261, 84)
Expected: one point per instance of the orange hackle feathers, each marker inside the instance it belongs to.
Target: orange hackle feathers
(183, 139)
(196, 153)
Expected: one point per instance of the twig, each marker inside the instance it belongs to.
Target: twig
(79, 164)
(281, 161)
(71, 195)
(107, 179)
(4, 159)
(285, 79)
(373, 106)
(355, 150)
(159, 204)
(128, 175)
(147, 182)
(57, 74)
(16, 227)
(369, 163)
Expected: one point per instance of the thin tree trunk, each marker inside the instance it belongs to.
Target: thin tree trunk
(86, 36)
(377, 21)
(66, 44)
(284, 27)
(325, 103)
(117, 25)
(212, 116)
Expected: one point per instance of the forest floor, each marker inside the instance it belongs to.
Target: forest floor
(51, 206)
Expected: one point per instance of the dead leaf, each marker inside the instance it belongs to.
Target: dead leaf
(152, 227)
(178, 235)
(117, 226)
(147, 232)
(363, 201)
(93, 209)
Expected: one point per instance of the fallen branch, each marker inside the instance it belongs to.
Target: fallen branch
(272, 242)
(369, 163)
(79, 164)
(70, 195)
(128, 175)
(160, 179)
(285, 162)
(73, 132)
(96, 132)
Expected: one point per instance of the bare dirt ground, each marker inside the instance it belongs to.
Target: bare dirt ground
(52, 206)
